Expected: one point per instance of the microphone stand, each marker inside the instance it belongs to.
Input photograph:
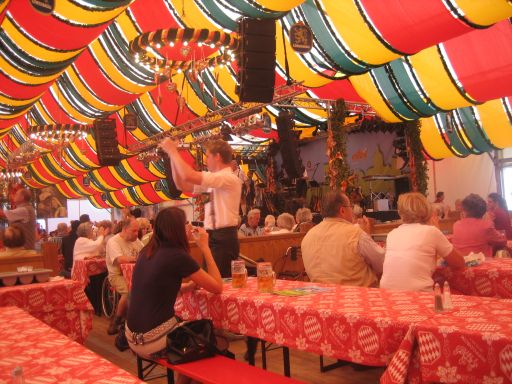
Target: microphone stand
(312, 178)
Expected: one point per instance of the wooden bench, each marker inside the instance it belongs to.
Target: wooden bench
(213, 370)
(445, 225)
(270, 248)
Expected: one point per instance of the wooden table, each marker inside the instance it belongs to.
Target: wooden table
(47, 356)
(62, 305)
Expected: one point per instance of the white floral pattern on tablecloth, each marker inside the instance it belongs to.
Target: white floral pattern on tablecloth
(82, 269)
(62, 305)
(48, 356)
(469, 345)
(492, 278)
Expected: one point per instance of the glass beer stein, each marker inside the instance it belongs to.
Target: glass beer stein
(238, 274)
(266, 277)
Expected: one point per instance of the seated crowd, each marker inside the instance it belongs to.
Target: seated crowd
(337, 249)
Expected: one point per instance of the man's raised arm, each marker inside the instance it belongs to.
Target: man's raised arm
(185, 177)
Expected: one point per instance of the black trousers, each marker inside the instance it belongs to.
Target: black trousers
(225, 247)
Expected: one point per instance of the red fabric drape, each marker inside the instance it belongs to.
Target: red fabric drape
(412, 25)
(482, 61)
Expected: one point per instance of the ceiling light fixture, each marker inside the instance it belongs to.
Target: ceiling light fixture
(143, 49)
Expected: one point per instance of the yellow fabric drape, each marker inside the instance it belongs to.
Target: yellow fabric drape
(352, 27)
(432, 141)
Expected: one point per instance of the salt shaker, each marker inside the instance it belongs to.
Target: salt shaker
(447, 296)
(17, 376)
(438, 299)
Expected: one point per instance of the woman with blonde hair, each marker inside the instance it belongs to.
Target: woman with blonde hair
(412, 248)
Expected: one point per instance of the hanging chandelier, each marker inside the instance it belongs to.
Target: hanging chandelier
(57, 134)
(167, 50)
(9, 175)
(46, 138)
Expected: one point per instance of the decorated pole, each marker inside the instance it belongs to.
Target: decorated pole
(339, 171)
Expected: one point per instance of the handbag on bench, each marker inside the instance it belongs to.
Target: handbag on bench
(193, 340)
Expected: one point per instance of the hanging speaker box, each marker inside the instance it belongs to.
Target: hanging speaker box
(288, 145)
(257, 60)
(106, 142)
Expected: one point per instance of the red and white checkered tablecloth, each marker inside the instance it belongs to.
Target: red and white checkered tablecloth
(46, 356)
(362, 325)
(470, 344)
(492, 278)
(61, 304)
(82, 269)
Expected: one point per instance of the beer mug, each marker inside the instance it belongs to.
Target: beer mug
(238, 274)
(266, 277)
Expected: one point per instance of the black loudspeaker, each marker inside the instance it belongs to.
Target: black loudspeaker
(106, 142)
(257, 60)
(402, 185)
(288, 145)
(174, 192)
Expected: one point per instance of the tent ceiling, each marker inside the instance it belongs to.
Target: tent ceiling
(448, 63)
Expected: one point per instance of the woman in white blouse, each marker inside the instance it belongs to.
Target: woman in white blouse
(85, 246)
(412, 248)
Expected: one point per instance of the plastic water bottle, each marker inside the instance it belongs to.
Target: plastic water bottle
(438, 299)
(17, 376)
(447, 296)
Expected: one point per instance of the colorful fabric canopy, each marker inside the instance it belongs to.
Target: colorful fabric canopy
(448, 63)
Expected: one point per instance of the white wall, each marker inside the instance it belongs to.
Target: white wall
(458, 177)
(75, 209)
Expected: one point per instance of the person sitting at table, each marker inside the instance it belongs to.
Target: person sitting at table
(85, 246)
(144, 227)
(412, 248)
(14, 240)
(123, 247)
(498, 212)
(108, 232)
(439, 207)
(337, 251)
(251, 228)
(57, 236)
(304, 220)
(285, 223)
(270, 224)
(474, 233)
(67, 247)
(145, 230)
(157, 280)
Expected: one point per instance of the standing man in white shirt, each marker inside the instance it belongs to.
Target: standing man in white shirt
(24, 215)
(221, 212)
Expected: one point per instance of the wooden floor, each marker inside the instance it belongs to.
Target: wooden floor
(304, 366)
